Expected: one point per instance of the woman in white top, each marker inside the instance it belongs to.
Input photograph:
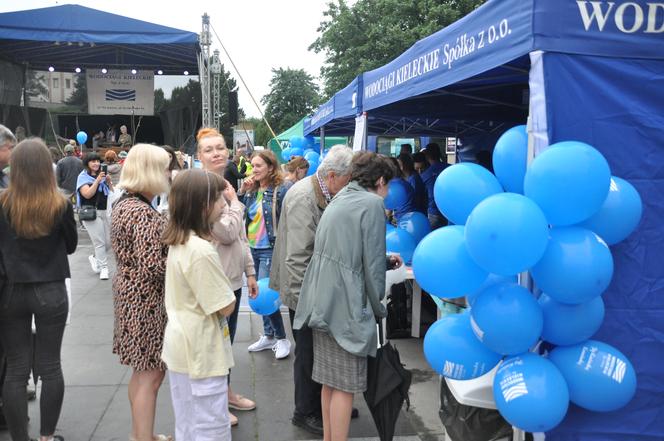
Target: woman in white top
(197, 345)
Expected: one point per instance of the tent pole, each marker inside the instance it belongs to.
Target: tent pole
(321, 147)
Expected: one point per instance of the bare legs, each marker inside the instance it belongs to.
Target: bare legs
(143, 389)
(337, 406)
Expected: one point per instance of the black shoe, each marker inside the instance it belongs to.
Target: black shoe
(354, 413)
(310, 423)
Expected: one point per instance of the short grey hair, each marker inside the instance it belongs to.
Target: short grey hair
(337, 160)
(6, 136)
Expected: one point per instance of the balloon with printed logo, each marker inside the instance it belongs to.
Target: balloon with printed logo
(566, 325)
(506, 234)
(267, 301)
(442, 265)
(576, 267)
(507, 319)
(599, 376)
(401, 242)
(451, 349)
(492, 279)
(286, 154)
(397, 193)
(619, 215)
(510, 157)
(460, 187)
(415, 223)
(569, 181)
(81, 137)
(530, 393)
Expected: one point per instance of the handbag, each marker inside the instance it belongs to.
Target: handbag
(87, 213)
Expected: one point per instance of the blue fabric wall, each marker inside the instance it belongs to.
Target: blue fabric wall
(618, 107)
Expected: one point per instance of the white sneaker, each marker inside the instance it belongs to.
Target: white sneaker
(94, 264)
(281, 348)
(262, 344)
(103, 274)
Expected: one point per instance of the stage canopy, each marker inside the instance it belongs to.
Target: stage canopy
(70, 36)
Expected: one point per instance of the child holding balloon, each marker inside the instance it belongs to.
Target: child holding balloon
(197, 345)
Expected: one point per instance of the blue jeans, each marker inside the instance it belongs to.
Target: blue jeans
(18, 303)
(273, 325)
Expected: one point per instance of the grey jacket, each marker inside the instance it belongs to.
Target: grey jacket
(300, 213)
(345, 280)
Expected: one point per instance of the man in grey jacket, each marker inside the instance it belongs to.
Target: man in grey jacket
(67, 171)
(301, 211)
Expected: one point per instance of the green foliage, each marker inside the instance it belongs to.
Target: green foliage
(293, 95)
(79, 96)
(36, 84)
(371, 33)
(261, 133)
(159, 100)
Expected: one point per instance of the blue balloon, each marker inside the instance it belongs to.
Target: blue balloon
(306, 151)
(402, 242)
(452, 350)
(619, 214)
(296, 151)
(286, 154)
(298, 142)
(576, 267)
(510, 158)
(312, 156)
(599, 377)
(415, 223)
(506, 234)
(388, 228)
(460, 187)
(530, 393)
(81, 137)
(397, 193)
(507, 319)
(309, 141)
(566, 325)
(313, 166)
(492, 279)
(569, 181)
(267, 301)
(442, 265)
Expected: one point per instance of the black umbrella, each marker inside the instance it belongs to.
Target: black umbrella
(387, 388)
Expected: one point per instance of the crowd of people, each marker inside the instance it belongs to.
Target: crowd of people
(185, 243)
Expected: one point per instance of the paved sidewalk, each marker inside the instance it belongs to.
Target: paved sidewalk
(96, 407)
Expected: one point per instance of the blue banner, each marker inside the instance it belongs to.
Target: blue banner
(616, 28)
(323, 115)
(494, 34)
(348, 101)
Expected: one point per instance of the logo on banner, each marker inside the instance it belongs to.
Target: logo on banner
(629, 17)
(120, 94)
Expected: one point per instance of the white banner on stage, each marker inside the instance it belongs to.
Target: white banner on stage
(119, 92)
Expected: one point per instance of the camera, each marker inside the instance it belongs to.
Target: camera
(104, 168)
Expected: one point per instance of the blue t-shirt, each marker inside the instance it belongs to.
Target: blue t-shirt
(420, 190)
(429, 178)
(409, 205)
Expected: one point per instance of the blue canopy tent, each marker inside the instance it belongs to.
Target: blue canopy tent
(591, 71)
(71, 36)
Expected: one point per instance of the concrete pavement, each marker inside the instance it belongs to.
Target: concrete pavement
(96, 407)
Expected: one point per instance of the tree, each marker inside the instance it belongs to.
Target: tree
(159, 100)
(262, 134)
(79, 96)
(293, 95)
(36, 84)
(371, 33)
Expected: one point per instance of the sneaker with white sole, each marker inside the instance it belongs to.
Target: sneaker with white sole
(262, 344)
(94, 264)
(281, 348)
(103, 274)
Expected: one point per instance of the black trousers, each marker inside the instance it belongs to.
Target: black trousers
(307, 391)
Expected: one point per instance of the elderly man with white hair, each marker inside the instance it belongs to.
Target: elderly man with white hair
(301, 211)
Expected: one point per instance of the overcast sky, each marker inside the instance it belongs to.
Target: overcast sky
(258, 34)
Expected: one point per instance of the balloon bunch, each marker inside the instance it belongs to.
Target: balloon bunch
(306, 147)
(555, 219)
